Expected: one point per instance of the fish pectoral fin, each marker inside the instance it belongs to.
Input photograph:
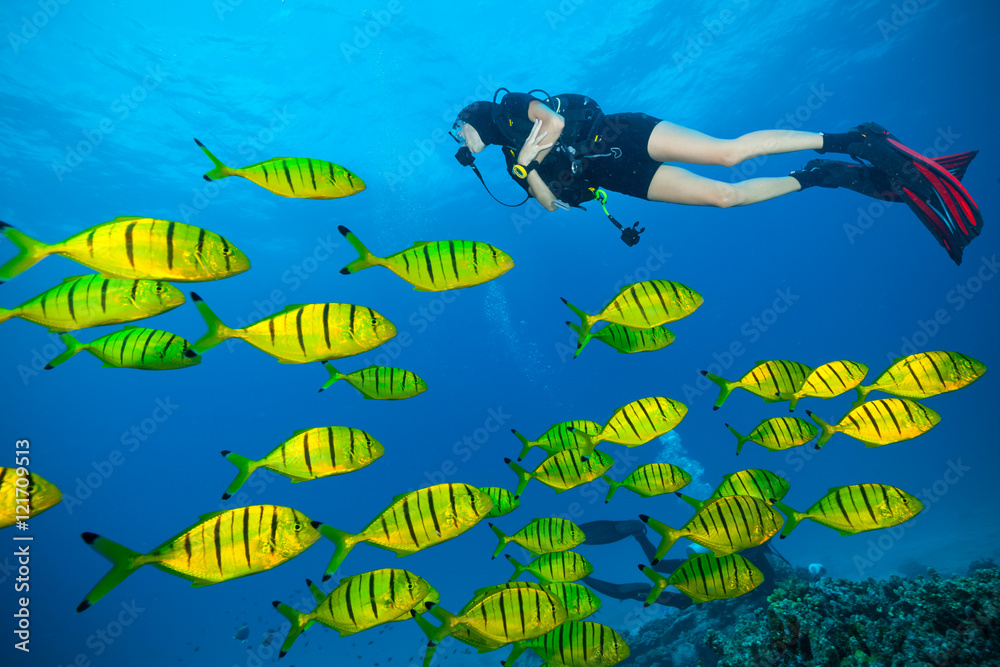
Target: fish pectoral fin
(198, 583)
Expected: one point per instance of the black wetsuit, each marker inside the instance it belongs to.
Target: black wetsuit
(619, 162)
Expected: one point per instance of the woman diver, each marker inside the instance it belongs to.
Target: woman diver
(562, 149)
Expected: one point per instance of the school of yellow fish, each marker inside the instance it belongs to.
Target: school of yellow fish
(137, 259)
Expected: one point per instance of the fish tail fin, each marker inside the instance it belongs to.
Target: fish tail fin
(613, 486)
(124, 562)
(696, 504)
(72, 347)
(518, 568)
(669, 536)
(366, 259)
(725, 386)
(583, 331)
(5, 314)
(217, 331)
(435, 634)
(504, 540)
(334, 375)
(527, 444)
(220, 170)
(317, 592)
(299, 621)
(29, 251)
(862, 395)
(245, 466)
(343, 543)
(827, 429)
(740, 439)
(584, 337)
(792, 518)
(659, 584)
(523, 477)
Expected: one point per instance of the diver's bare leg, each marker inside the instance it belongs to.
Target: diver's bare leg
(674, 143)
(680, 186)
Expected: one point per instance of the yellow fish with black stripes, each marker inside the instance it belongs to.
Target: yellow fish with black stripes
(82, 302)
(383, 383)
(826, 381)
(24, 495)
(414, 521)
(880, 422)
(435, 266)
(303, 333)
(768, 379)
(637, 423)
(559, 437)
(575, 643)
(131, 248)
(706, 577)
(558, 567)
(856, 508)
(223, 545)
(295, 177)
(925, 374)
(724, 525)
(777, 433)
(311, 453)
(133, 347)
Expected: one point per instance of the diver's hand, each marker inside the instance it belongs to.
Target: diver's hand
(531, 147)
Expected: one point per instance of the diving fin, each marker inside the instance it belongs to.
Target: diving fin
(929, 187)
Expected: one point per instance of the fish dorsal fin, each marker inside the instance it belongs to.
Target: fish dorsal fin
(211, 515)
(834, 489)
(289, 308)
(301, 431)
(417, 244)
(126, 218)
(72, 278)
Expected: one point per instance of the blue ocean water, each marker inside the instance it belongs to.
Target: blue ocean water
(101, 101)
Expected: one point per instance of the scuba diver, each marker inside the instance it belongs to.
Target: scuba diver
(605, 532)
(564, 151)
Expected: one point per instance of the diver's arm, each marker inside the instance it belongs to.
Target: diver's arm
(540, 191)
(531, 150)
(552, 125)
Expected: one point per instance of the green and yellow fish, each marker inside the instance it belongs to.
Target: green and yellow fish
(134, 347)
(777, 433)
(725, 525)
(580, 601)
(81, 302)
(652, 479)
(558, 567)
(132, 248)
(414, 521)
(881, 422)
(504, 501)
(575, 643)
(382, 383)
(303, 333)
(296, 177)
(754, 482)
(542, 536)
(705, 577)
(827, 381)
(221, 546)
(24, 496)
(925, 374)
(638, 422)
(563, 470)
(311, 453)
(435, 266)
(627, 340)
(856, 509)
(642, 305)
(360, 602)
(768, 379)
(501, 617)
(559, 437)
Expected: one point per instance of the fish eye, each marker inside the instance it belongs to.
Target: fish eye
(297, 527)
(906, 501)
(374, 322)
(159, 287)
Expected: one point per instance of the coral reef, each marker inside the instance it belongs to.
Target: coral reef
(924, 621)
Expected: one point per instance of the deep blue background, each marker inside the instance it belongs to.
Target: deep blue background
(257, 80)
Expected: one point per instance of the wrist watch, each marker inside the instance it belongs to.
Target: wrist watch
(522, 172)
